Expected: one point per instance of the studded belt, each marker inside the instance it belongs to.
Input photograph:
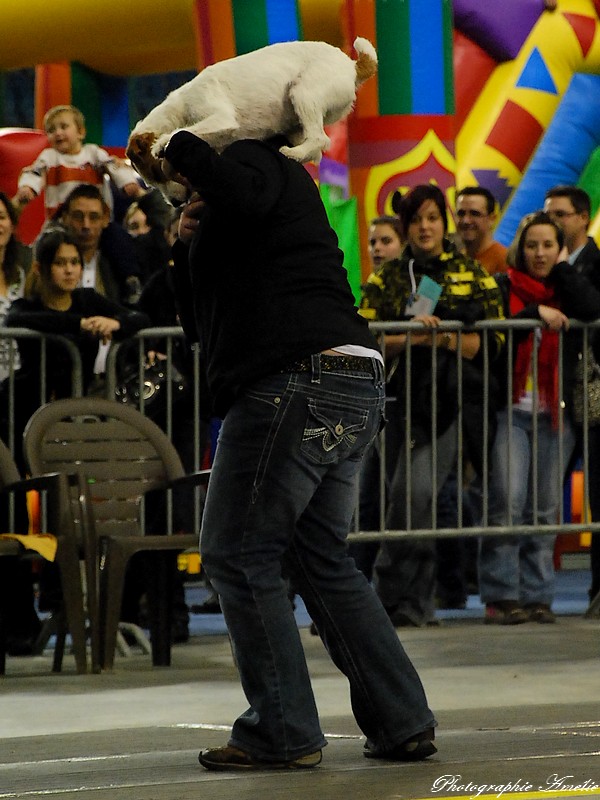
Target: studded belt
(341, 363)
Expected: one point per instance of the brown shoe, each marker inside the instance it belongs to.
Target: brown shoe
(505, 612)
(540, 612)
(231, 758)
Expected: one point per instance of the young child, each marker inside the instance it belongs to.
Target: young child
(68, 161)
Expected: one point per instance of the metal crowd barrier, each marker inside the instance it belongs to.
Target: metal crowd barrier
(149, 337)
(9, 340)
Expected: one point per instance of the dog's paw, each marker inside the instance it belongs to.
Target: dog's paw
(139, 148)
(302, 153)
(139, 151)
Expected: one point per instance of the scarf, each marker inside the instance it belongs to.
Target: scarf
(524, 291)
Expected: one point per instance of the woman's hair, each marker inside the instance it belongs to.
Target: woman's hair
(10, 265)
(393, 222)
(46, 247)
(412, 202)
(538, 218)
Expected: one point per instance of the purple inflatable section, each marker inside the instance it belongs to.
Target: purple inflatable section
(500, 27)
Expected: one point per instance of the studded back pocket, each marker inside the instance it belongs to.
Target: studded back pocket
(332, 431)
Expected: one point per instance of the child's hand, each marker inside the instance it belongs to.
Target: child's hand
(133, 190)
(24, 195)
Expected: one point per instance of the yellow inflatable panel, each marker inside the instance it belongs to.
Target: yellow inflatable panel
(123, 37)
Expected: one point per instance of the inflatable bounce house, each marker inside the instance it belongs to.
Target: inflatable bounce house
(500, 94)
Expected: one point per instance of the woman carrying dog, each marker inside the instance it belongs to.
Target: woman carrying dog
(298, 380)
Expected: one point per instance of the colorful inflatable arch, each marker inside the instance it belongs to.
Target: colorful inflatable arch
(535, 118)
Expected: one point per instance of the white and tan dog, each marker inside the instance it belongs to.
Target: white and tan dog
(291, 88)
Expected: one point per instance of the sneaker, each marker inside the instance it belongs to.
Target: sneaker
(418, 748)
(540, 612)
(231, 758)
(505, 612)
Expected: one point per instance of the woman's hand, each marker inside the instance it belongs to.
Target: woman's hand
(553, 318)
(188, 221)
(429, 321)
(100, 327)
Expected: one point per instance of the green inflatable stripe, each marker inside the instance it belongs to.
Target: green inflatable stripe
(250, 25)
(589, 180)
(392, 23)
(343, 218)
(86, 96)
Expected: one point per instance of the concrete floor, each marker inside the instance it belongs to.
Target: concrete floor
(515, 705)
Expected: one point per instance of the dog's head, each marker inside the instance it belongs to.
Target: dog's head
(155, 171)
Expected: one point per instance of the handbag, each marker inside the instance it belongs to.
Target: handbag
(592, 387)
(154, 388)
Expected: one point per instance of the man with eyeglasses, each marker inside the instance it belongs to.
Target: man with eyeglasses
(475, 222)
(570, 208)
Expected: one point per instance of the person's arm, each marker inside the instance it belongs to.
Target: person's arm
(183, 284)
(121, 174)
(24, 314)
(577, 294)
(32, 179)
(97, 309)
(247, 178)
(446, 340)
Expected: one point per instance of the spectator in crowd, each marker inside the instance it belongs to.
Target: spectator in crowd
(297, 378)
(516, 575)
(146, 221)
(109, 262)
(68, 161)
(385, 240)
(158, 303)
(12, 278)
(385, 244)
(476, 219)
(570, 208)
(430, 283)
(58, 306)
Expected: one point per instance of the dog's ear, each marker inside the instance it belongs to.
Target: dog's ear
(139, 151)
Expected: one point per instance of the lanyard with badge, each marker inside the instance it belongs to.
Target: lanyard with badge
(421, 301)
(424, 297)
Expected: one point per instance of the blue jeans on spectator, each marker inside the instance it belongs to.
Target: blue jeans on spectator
(282, 493)
(521, 568)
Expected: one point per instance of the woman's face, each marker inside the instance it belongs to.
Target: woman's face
(6, 226)
(384, 244)
(65, 272)
(425, 233)
(540, 250)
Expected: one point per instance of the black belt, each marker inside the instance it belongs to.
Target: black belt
(328, 363)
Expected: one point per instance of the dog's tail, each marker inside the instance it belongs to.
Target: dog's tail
(366, 63)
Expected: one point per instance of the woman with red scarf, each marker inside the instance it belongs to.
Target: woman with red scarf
(516, 574)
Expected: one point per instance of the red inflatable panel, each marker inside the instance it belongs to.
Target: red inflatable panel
(472, 67)
(19, 147)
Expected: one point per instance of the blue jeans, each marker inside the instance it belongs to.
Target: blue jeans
(281, 498)
(521, 568)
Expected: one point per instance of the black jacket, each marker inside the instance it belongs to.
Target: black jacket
(263, 283)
